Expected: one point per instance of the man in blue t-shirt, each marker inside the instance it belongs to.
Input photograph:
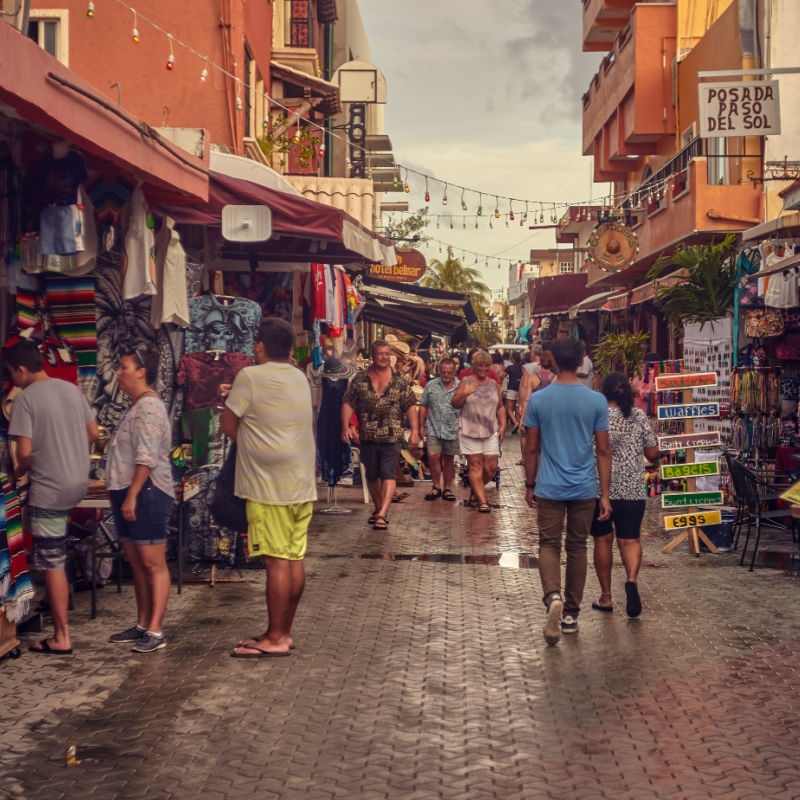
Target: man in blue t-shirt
(562, 419)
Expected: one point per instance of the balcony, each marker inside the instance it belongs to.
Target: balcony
(628, 109)
(295, 36)
(602, 21)
(689, 210)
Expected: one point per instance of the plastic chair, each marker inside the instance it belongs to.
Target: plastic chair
(356, 456)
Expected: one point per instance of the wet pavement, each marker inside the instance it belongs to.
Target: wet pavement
(420, 671)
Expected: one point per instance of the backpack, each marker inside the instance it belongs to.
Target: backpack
(227, 509)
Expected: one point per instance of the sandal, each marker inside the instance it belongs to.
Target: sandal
(434, 494)
(400, 496)
(372, 516)
(473, 501)
(484, 508)
(448, 495)
(381, 523)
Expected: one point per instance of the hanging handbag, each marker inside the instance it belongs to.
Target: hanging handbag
(227, 509)
(791, 320)
(763, 322)
(748, 294)
(788, 349)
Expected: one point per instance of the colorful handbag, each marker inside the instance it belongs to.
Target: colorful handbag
(788, 349)
(748, 294)
(791, 320)
(761, 323)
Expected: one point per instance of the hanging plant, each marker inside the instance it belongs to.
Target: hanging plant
(620, 352)
(707, 291)
(276, 141)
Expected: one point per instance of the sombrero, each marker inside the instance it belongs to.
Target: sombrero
(334, 368)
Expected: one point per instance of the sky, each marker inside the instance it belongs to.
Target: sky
(485, 94)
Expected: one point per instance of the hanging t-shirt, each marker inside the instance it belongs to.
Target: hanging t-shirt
(60, 178)
(171, 304)
(213, 325)
(202, 373)
(275, 454)
(139, 251)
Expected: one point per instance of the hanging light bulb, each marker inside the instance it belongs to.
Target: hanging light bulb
(296, 137)
(90, 10)
(396, 182)
(451, 223)
(444, 196)
(480, 204)
(463, 203)
(541, 214)
(171, 58)
(134, 32)
(321, 150)
(476, 223)
(554, 215)
(464, 223)
(238, 103)
(204, 77)
(496, 207)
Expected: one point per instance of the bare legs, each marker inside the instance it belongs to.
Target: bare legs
(55, 581)
(481, 470)
(511, 412)
(631, 552)
(442, 467)
(382, 491)
(285, 582)
(150, 582)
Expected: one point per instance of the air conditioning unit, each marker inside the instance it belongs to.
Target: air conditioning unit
(689, 135)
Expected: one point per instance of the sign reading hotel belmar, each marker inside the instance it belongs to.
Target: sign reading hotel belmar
(410, 267)
(743, 108)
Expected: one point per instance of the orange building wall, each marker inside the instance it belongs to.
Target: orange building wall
(101, 51)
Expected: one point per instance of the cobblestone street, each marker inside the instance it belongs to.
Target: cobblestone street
(420, 672)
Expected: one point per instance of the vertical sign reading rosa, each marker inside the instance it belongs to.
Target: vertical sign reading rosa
(744, 108)
(410, 267)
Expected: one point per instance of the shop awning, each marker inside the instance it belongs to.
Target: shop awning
(303, 230)
(649, 291)
(594, 302)
(420, 295)
(39, 90)
(324, 95)
(558, 293)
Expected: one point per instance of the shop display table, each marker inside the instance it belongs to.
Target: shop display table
(98, 500)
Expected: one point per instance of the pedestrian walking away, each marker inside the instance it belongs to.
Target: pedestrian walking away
(481, 426)
(563, 420)
(53, 426)
(380, 399)
(139, 480)
(441, 422)
(630, 435)
(268, 413)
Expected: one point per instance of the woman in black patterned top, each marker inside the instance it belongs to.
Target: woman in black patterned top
(631, 437)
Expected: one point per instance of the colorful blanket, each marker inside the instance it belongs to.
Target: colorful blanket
(19, 590)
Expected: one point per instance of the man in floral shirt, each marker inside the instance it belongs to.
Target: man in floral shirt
(380, 399)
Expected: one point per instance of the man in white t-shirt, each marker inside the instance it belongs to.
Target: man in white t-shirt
(268, 413)
(586, 371)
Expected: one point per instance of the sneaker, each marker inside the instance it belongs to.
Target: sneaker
(569, 625)
(130, 635)
(149, 643)
(552, 628)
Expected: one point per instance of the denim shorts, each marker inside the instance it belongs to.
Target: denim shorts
(58, 231)
(153, 510)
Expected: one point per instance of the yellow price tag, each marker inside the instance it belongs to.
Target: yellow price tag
(693, 520)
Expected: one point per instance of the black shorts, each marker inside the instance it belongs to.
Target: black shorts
(626, 519)
(380, 459)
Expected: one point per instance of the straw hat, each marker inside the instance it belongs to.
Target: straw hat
(334, 368)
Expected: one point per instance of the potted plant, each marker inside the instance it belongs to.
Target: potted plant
(620, 352)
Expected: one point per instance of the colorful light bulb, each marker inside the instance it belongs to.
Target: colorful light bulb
(90, 10)
(170, 62)
(204, 77)
(135, 36)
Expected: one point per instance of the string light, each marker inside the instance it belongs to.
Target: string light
(497, 207)
(321, 150)
(444, 196)
(134, 32)
(204, 78)
(171, 59)
(90, 10)
(463, 203)
(238, 103)
(427, 191)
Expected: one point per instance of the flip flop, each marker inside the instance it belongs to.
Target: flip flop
(50, 651)
(634, 605)
(398, 498)
(258, 654)
(434, 494)
(378, 525)
(484, 508)
(598, 607)
(448, 495)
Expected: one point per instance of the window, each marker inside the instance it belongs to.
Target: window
(564, 267)
(299, 23)
(48, 28)
(717, 163)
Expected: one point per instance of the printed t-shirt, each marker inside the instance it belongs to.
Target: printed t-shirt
(143, 437)
(566, 415)
(628, 439)
(380, 419)
(60, 178)
(276, 452)
(217, 326)
(204, 372)
(54, 414)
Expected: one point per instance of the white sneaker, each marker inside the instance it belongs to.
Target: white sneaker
(569, 625)
(552, 627)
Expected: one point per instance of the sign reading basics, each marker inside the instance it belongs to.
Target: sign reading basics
(693, 520)
(694, 470)
(686, 380)
(689, 411)
(742, 108)
(686, 441)
(683, 499)
(410, 267)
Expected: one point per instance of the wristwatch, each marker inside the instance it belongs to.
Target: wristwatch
(530, 485)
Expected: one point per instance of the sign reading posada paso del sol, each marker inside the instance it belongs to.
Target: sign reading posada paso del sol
(410, 267)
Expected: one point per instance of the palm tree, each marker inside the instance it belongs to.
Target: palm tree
(451, 275)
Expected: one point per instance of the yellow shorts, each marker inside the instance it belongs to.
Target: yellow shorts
(278, 531)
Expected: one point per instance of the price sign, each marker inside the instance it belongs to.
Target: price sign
(694, 470)
(689, 411)
(685, 380)
(678, 499)
(693, 520)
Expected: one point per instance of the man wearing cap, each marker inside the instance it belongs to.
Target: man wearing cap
(380, 399)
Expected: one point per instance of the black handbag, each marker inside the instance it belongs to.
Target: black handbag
(227, 509)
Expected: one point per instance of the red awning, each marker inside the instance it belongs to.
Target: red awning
(558, 293)
(40, 90)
